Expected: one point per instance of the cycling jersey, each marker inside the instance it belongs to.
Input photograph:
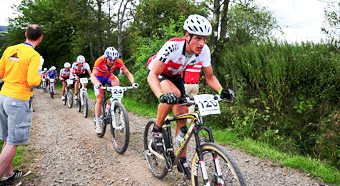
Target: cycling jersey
(173, 55)
(192, 75)
(52, 75)
(80, 69)
(65, 74)
(104, 70)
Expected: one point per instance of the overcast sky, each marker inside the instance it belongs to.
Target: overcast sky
(300, 20)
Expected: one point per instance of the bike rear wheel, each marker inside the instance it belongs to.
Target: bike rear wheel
(69, 98)
(220, 167)
(157, 166)
(85, 105)
(120, 135)
(102, 120)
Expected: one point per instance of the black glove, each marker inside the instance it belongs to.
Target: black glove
(227, 93)
(170, 98)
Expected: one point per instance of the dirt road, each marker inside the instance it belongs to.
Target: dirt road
(68, 152)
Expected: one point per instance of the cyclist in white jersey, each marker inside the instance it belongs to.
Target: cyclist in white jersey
(78, 71)
(165, 79)
(64, 75)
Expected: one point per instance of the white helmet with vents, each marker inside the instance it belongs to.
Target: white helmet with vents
(197, 25)
(81, 59)
(67, 65)
(53, 68)
(111, 53)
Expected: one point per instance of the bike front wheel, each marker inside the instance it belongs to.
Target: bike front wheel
(157, 166)
(120, 130)
(69, 98)
(79, 103)
(85, 105)
(65, 95)
(52, 92)
(220, 167)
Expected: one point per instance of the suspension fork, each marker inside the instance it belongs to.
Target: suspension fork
(200, 153)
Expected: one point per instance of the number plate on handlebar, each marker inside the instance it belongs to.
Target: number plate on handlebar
(52, 80)
(207, 105)
(83, 80)
(69, 81)
(117, 92)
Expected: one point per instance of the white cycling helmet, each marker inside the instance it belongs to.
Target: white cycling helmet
(67, 65)
(197, 25)
(45, 69)
(53, 68)
(111, 53)
(81, 59)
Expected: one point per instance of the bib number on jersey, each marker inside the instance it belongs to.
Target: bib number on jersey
(207, 105)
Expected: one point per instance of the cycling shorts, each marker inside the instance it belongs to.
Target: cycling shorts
(176, 80)
(15, 120)
(104, 81)
(80, 75)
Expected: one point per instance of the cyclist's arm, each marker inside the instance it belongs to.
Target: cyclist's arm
(71, 73)
(89, 71)
(211, 78)
(94, 79)
(152, 78)
(129, 75)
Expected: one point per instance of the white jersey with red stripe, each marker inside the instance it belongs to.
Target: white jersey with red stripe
(65, 74)
(192, 75)
(79, 68)
(173, 55)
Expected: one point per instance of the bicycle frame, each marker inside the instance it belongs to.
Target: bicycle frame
(82, 90)
(43, 83)
(116, 95)
(52, 84)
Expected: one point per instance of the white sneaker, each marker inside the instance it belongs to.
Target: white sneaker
(99, 129)
(62, 97)
(75, 97)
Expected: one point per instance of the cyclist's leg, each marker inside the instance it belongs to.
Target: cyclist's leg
(63, 89)
(76, 85)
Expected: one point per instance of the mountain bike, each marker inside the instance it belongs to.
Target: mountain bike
(114, 113)
(211, 163)
(43, 84)
(68, 93)
(52, 87)
(82, 101)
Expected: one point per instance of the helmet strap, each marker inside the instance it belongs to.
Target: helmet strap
(191, 35)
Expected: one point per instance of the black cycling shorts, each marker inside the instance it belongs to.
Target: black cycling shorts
(176, 80)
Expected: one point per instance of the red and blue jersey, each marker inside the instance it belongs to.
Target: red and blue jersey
(102, 68)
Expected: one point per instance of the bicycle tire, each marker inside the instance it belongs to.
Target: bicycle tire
(120, 137)
(231, 173)
(79, 102)
(52, 93)
(85, 105)
(102, 120)
(69, 98)
(65, 95)
(156, 165)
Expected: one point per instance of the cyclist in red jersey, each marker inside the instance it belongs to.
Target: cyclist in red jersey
(165, 79)
(78, 71)
(102, 74)
(64, 75)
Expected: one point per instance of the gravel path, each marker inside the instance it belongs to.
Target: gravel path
(68, 152)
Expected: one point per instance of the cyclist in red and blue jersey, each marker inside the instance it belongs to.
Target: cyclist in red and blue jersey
(64, 75)
(102, 74)
(51, 74)
(164, 76)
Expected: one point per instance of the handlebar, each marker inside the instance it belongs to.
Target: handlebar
(188, 101)
(114, 87)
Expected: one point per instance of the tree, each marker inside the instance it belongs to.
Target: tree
(332, 22)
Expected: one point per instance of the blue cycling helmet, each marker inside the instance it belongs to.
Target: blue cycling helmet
(111, 53)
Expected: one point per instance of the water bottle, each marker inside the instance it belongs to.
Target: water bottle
(180, 136)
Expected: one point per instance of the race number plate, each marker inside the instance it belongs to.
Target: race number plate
(69, 81)
(207, 105)
(117, 92)
(83, 80)
(52, 80)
